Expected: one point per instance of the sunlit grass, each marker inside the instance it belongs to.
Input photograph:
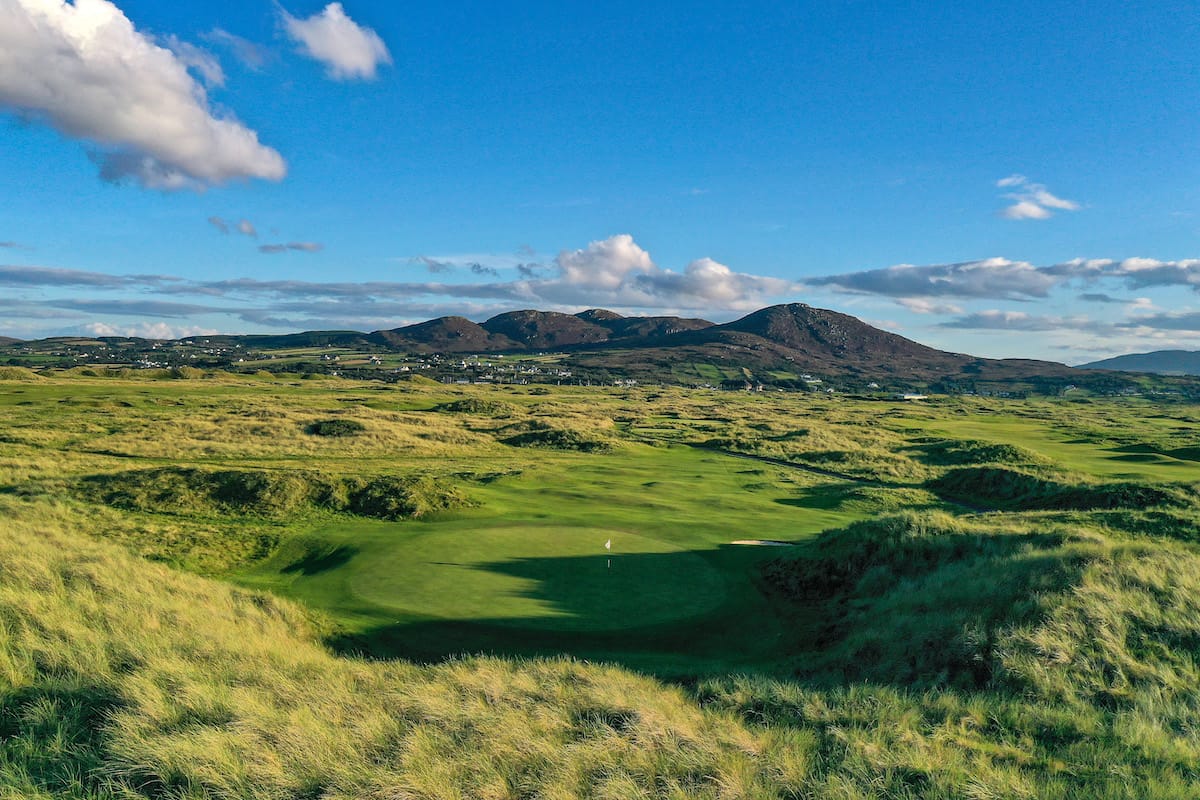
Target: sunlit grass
(1016, 642)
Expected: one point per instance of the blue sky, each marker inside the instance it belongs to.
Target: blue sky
(1008, 179)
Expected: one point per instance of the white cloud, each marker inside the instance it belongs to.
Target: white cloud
(1025, 209)
(923, 305)
(1137, 273)
(607, 264)
(246, 228)
(86, 70)
(1031, 200)
(617, 272)
(713, 283)
(146, 330)
(347, 49)
(1047, 200)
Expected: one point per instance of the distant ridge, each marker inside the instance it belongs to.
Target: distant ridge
(800, 338)
(787, 345)
(1161, 362)
(514, 331)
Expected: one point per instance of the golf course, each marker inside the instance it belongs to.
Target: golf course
(526, 570)
(706, 593)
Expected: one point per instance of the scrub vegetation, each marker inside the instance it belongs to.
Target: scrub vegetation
(499, 593)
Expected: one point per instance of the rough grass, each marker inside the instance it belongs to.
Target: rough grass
(542, 434)
(1066, 614)
(478, 405)
(335, 427)
(958, 452)
(121, 679)
(1047, 650)
(18, 374)
(262, 493)
(1017, 489)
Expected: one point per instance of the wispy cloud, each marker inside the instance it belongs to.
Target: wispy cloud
(138, 308)
(434, 265)
(987, 278)
(1168, 321)
(996, 320)
(204, 63)
(1031, 200)
(922, 305)
(243, 226)
(252, 55)
(1101, 297)
(613, 272)
(303, 247)
(1003, 279)
(54, 277)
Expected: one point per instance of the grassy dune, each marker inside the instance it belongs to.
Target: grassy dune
(976, 609)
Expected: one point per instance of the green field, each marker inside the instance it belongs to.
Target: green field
(527, 571)
(406, 592)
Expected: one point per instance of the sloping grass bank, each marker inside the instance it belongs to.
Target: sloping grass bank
(124, 679)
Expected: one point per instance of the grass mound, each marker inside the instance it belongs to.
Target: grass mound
(479, 406)
(186, 373)
(335, 427)
(1068, 616)
(542, 434)
(417, 380)
(261, 493)
(956, 452)
(882, 580)
(1026, 491)
(18, 374)
(1168, 523)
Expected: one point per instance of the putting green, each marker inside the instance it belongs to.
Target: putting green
(541, 577)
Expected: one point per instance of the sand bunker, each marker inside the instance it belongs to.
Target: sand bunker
(763, 542)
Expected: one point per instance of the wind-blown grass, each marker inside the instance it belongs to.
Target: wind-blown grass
(904, 648)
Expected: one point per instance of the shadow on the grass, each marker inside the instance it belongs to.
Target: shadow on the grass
(625, 624)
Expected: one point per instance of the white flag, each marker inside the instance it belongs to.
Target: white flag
(608, 545)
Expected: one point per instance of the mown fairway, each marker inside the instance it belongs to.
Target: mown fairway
(527, 570)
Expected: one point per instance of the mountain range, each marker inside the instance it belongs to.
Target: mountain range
(783, 345)
(1162, 362)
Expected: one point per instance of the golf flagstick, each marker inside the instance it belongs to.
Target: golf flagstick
(608, 546)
